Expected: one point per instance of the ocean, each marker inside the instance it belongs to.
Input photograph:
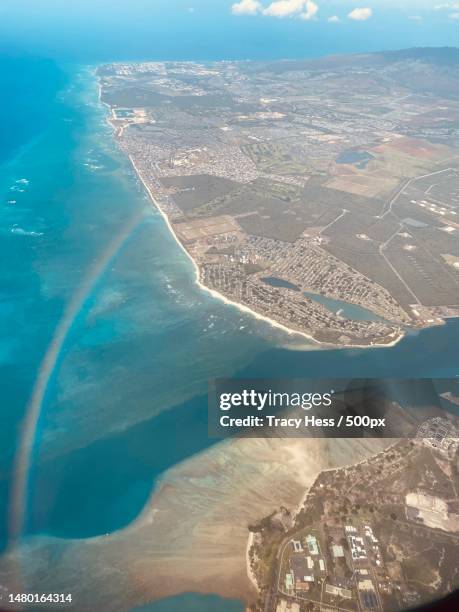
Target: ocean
(130, 373)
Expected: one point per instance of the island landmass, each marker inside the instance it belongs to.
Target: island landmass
(320, 195)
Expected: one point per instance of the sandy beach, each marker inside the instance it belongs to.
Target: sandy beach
(203, 287)
(242, 307)
(250, 574)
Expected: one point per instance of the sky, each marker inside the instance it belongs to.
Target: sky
(104, 30)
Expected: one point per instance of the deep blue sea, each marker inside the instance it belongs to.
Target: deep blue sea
(133, 367)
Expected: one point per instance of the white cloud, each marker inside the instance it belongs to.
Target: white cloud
(302, 9)
(360, 14)
(415, 17)
(246, 7)
(453, 16)
(285, 8)
(333, 19)
(310, 12)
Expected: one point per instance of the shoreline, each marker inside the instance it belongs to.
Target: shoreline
(334, 469)
(242, 307)
(250, 574)
(220, 296)
(212, 292)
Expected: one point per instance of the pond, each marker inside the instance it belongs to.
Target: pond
(344, 309)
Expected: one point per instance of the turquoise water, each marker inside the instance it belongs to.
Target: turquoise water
(134, 366)
(192, 602)
(143, 341)
(24, 115)
(145, 337)
(345, 309)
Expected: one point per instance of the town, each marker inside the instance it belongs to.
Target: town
(330, 210)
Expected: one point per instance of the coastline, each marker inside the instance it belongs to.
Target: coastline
(333, 469)
(312, 342)
(203, 287)
(251, 576)
(130, 563)
(243, 307)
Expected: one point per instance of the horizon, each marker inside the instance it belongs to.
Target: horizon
(286, 59)
(201, 30)
(95, 64)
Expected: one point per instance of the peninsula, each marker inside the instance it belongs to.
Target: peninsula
(320, 195)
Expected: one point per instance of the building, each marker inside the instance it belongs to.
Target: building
(336, 591)
(297, 546)
(337, 551)
(357, 545)
(369, 534)
(438, 433)
(313, 546)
